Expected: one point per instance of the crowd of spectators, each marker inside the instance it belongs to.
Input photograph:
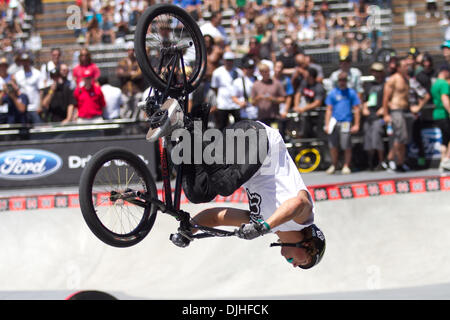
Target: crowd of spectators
(258, 75)
(387, 110)
(110, 21)
(58, 93)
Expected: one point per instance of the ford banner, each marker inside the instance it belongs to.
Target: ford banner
(23, 164)
(50, 163)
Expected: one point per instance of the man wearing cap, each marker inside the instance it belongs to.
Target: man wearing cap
(29, 80)
(445, 46)
(373, 113)
(354, 75)
(13, 104)
(222, 83)
(89, 99)
(58, 100)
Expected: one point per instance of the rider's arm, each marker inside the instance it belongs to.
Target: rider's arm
(298, 209)
(217, 216)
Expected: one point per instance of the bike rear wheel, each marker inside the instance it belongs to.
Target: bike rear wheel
(106, 183)
(163, 26)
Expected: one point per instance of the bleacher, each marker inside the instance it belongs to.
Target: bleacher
(51, 26)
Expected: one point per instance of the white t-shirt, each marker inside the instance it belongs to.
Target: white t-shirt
(113, 99)
(250, 111)
(276, 181)
(222, 80)
(30, 84)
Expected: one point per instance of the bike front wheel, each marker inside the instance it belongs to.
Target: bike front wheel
(165, 26)
(108, 201)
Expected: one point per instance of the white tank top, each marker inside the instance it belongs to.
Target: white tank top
(276, 181)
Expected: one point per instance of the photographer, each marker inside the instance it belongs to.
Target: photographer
(13, 104)
(58, 100)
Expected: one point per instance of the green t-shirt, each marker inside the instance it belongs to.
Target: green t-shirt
(439, 88)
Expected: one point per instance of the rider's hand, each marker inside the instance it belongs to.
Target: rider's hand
(253, 230)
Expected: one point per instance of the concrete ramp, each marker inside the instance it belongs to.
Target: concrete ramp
(380, 247)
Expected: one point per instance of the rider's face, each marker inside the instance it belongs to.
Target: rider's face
(296, 256)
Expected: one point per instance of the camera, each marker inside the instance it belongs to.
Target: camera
(10, 88)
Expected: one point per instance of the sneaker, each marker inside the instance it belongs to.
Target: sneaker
(392, 165)
(384, 165)
(164, 121)
(346, 170)
(445, 165)
(331, 170)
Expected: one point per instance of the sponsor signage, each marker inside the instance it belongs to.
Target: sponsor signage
(24, 164)
(50, 164)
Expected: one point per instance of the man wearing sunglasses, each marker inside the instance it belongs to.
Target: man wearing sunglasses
(279, 201)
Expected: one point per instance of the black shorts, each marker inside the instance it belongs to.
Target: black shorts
(444, 125)
(203, 182)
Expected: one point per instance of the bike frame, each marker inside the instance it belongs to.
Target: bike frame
(168, 204)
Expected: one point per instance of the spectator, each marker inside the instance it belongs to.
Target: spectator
(29, 81)
(113, 99)
(193, 7)
(201, 96)
(54, 63)
(446, 51)
(310, 95)
(341, 102)
(131, 78)
(395, 105)
(13, 104)
(289, 91)
(215, 29)
(267, 94)
(287, 56)
(94, 33)
(242, 88)
(308, 63)
(66, 76)
(285, 80)
(440, 92)
(222, 84)
(4, 75)
(85, 63)
(425, 76)
(89, 99)
(373, 112)
(354, 75)
(214, 55)
(58, 100)
(107, 32)
(300, 72)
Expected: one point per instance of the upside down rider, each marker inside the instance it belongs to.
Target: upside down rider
(279, 201)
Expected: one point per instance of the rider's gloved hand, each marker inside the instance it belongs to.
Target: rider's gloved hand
(253, 230)
(179, 240)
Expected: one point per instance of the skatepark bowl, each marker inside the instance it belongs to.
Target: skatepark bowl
(382, 247)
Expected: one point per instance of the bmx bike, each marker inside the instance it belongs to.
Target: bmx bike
(117, 193)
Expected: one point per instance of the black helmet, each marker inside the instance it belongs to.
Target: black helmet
(313, 242)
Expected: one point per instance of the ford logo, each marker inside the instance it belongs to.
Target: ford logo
(22, 164)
